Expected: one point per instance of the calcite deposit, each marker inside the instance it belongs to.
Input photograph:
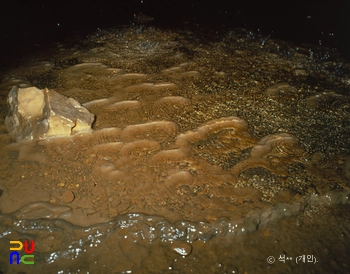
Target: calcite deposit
(35, 114)
(209, 154)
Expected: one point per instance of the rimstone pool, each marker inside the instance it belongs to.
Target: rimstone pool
(210, 153)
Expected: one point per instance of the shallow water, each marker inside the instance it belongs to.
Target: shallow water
(210, 153)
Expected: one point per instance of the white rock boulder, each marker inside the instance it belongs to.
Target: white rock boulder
(36, 114)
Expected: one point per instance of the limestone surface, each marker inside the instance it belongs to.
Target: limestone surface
(35, 114)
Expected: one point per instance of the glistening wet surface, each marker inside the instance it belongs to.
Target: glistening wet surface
(210, 153)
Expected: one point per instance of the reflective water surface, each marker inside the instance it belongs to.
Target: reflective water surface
(211, 152)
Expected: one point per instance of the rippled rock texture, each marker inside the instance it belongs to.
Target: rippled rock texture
(195, 136)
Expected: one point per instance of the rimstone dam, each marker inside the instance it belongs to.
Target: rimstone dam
(144, 150)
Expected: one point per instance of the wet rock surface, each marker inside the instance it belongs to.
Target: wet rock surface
(203, 145)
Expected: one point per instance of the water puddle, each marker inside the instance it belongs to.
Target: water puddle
(211, 153)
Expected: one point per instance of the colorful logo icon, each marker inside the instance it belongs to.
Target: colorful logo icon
(16, 258)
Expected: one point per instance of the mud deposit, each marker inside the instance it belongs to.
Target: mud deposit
(210, 153)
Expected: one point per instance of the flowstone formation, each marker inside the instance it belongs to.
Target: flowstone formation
(36, 114)
(205, 153)
(213, 130)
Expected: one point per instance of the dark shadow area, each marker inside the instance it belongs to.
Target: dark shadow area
(27, 27)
